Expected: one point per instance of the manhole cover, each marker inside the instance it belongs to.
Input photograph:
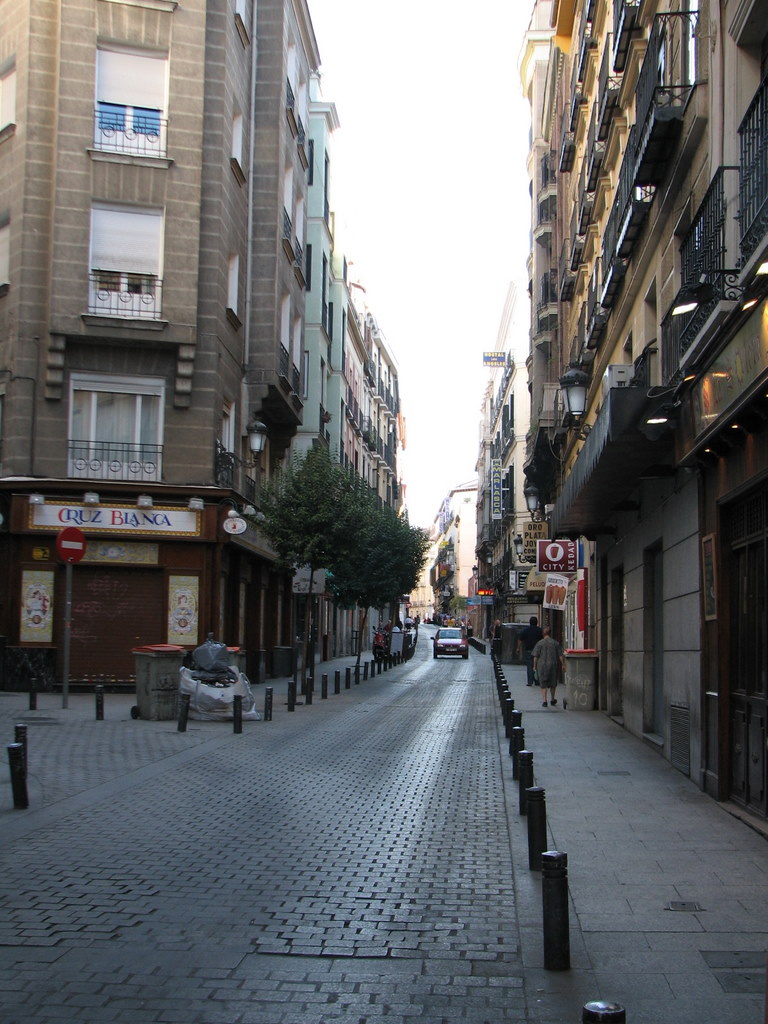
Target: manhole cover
(687, 906)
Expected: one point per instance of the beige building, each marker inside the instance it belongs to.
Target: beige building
(153, 196)
(654, 119)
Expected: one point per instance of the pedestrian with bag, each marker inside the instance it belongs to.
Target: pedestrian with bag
(547, 659)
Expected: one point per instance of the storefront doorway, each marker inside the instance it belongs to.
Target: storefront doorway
(746, 534)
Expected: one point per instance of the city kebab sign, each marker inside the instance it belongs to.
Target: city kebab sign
(557, 556)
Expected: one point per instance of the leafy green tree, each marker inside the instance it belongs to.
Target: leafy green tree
(383, 561)
(310, 511)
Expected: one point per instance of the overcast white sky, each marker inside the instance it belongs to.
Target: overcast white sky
(430, 189)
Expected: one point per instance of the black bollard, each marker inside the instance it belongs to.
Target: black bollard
(309, 689)
(357, 675)
(525, 780)
(33, 693)
(604, 1012)
(324, 686)
(517, 719)
(237, 714)
(516, 744)
(99, 694)
(183, 712)
(347, 677)
(20, 736)
(268, 699)
(537, 825)
(292, 695)
(554, 894)
(365, 671)
(337, 681)
(509, 707)
(18, 776)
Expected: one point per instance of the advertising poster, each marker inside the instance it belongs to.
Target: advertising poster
(36, 606)
(183, 599)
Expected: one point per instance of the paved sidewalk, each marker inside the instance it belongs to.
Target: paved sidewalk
(668, 891)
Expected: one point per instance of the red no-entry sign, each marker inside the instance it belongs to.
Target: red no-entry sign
(70, 544)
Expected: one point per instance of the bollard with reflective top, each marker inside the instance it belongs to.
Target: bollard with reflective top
(605, 1013)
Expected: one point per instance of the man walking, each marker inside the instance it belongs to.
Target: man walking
(547, 658)
(529, 637)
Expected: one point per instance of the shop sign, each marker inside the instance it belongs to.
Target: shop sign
(557, 556)
(733, 372)
(494, 358)
(121, 519)
(532, 534)
(555, 591)
(496, 497)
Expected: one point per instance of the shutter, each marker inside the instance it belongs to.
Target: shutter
(5, 254)
(114, 609)
(127, 241)
(131, 80)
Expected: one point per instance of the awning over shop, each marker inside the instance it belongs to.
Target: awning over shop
(615, 456)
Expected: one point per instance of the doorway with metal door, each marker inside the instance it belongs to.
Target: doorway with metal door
(746, 535)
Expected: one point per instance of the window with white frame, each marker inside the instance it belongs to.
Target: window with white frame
(116, 427)
(131, 91)
(237, 140)
(7, 95)
(126, 261)
(233, 282)
(5, 251)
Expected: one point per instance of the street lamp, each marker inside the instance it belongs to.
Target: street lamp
(519, 544)
(531, 495)
(257, 436)
(574, 385)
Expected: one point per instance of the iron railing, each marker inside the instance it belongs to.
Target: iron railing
(753, 190)
(129, 134)
(114, 460)
(668, 73)
(127, 295)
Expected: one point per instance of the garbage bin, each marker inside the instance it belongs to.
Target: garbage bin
(510, 639)
(282, 661)
(581, 679)
(157, 681)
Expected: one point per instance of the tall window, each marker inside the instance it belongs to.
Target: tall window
(116, 427)
(131, 90)
(5, 252)
(233, 279)
(7, 96)
(126, 259)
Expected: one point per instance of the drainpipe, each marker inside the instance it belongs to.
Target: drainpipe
(251, 186)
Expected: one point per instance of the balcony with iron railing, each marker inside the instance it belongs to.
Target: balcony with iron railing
(753, 189)
(115, 460)
(579, 341)
(567, 276)
(626, 27)
(597, 315)
(546, 214)
(128, 296)
(585, 200)
(577, 240)
(608, 88)
(586, 48)
(594, 155)
(130, 131)
(290, 107)
(567, 145)
(232, 472)
(708, 258)
(667, 80)
(631, 205)
(286, 236)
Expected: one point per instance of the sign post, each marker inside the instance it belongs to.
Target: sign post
(70, 547)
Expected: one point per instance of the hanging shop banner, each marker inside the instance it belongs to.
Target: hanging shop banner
(496, 494)
(119, 519)
(183, 600)
(554, 592)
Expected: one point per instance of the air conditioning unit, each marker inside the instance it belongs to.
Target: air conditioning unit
(618, 375)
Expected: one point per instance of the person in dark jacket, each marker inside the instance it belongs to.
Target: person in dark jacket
(529, 637)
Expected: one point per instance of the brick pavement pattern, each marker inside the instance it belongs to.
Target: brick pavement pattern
(348, 862)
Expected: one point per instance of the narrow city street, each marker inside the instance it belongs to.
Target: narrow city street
(364, 860)
(350, 861)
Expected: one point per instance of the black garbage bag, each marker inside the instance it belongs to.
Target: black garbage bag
(211, 660)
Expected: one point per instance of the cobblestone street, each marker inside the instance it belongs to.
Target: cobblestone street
(347, 862)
